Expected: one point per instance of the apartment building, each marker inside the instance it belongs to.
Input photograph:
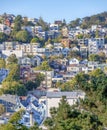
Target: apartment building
(95, 44)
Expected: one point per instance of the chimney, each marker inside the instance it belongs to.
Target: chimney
(31, 119)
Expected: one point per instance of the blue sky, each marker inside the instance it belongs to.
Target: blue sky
(52, 10)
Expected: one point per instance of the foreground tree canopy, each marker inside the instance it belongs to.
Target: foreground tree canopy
(66, 117)
(95, 86)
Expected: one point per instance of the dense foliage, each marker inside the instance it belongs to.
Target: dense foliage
(66, 117)
(95, 86)
(86, 22)
(44, 66)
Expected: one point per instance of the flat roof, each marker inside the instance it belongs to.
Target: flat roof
(73, 94)
(8, 98)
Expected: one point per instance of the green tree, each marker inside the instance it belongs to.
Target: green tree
(3, 37)
(80, 36)
(93, 57)
(12, 59)
(42, 23)
(75, 23)
(75, 54)
(7, 126)
(30, 85)
(102, 57)
(17, 23)
(2, 109)
(39, 78)
(35, 127)
(13, 123)
(35, 40)
(23, 36)
(44, 66)
(2, 63)
(66, 117)
(17, 27)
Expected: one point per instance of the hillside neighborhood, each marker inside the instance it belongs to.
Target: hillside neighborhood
(39, 63)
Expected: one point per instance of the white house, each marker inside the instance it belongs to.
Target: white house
(73, 61)
(53, 99)
(5, 29)
(48, 78)
(7, 53)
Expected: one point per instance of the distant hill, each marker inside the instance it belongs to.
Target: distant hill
(99, 19)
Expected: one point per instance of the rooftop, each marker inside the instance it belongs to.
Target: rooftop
(73, 94)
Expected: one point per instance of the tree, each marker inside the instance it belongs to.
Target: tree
(15, 120)
(23, 36)
(2, 109)
(35, 127)
(102, 57)
(17, 23)
(17, 27)
(14, 87)
(2, 63)
(42, 23)
(14, 73)
(66, 117)
(16, 117)
(75, 23)
(63, 23)
(80, 36)
(21, 90)
(3, 37)
(75, 54)
(44, 66)
(93, 57)
(12, 59)
(35, 40)
(30, 85)
(39, 78)
(7, 126)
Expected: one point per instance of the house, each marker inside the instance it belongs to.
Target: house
(57, 78)
(26, 73)
(47, 83)
(73, 61)
(9, 101)
(59, 22)
(2, 47)
(65, 51)
(65, 31)
(7, 53)
(95, 44)
(30, 49)
(63, 61)
(24, 61)
(75, 49)
(73, 68)
(53, 99)
(92, 65)
(84, 51)
(31, 104)
(5, 29)
(68, 76)
(54, 27)
(10, 45)
(38, 29)
(36, 60)
(65, 42)
(30, 29)
(33, 20)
